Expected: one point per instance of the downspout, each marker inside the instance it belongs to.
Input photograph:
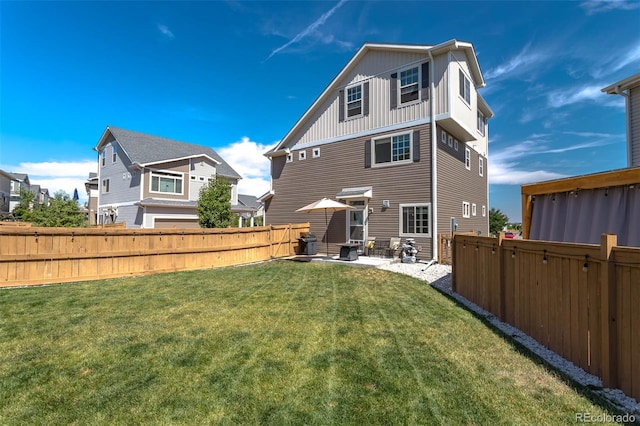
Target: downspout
(434, 153)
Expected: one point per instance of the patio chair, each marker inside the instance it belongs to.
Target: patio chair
(394, 247)
(368, 246)
(380, 246)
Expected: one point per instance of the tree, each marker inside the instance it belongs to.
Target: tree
(497, 221)
(214, 205)
(23, 210)
(62, 211)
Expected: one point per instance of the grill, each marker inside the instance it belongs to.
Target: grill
(308, 244)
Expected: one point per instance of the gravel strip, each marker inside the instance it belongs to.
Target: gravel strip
(439, 276)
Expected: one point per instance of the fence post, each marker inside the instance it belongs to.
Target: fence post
(454, 284)
(501, 277)
(608, 310)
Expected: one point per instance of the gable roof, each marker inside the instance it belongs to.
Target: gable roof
(627, 83)
(145, 149)
(389, 47)
(248, 201)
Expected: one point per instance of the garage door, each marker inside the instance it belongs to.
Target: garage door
(175, 223)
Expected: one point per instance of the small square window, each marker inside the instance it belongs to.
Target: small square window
(302, 155)
(450, 141)
(473, 209)
(315, 153)
(455, 144)
(193, 177)
(444, 137)
(484, 211)
(201, 178)
(289, 158)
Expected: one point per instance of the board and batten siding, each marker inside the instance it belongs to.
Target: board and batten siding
(376, 68)
(342, 165)
(441, 78)
(634, 125)
(457, 184)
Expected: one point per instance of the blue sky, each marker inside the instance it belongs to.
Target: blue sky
(236, 76)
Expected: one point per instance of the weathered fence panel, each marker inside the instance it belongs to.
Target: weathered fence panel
(579, 300)
(33, 255)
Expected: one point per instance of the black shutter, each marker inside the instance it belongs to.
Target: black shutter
(365, 98)
(425, 81)
(367, 154)
(416, 146)
(341, 105)
(393, 96)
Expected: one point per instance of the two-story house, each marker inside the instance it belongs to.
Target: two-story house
(630, 89)
(153, 182)
(400, 134)
(5, 191)
(19, 182)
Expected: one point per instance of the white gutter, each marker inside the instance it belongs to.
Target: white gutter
(434, 154)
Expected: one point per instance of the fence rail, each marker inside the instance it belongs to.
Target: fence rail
(579, 300)
(33, 255)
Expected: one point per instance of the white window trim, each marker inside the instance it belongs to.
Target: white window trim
(481, 166)
(108, 184)
(400, 207)
(289, 158)
(315, 152)
(302, 155)
(455, 144)
(484, 211)
(466, 209)
(391, 163)
(103, 157)
(467, 158)
(460, 95)
(168, 172)
(474, 210)
(346, 101)
(481, 123)
(114, 153)
(444, 137)
(450, 141)
(399, 90)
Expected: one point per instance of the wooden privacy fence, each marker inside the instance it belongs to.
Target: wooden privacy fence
(579, 300)
(53, 255)
(445, 246)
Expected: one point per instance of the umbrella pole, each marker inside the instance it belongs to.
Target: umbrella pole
(326, 223)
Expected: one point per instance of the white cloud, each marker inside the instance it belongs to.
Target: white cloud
(310, 30)
(596, 6)
(246, 157)
(166, 31)
(499, 174)
(520, 64)
(57, 175)
(564, 97)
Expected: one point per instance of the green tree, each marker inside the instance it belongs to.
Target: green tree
(497, 221)
(214, 205)
(62, 211)
(27, 203)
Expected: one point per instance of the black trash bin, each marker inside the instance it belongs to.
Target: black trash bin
(308, 244)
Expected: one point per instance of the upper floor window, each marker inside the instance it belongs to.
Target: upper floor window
(103, 155)
(166, 182)
(481, 166)
(481, 123)
(466, 209)
(315, 153)
(354, 101)
(467, 158)
(114, 153)
(392, 149)
(414, 219)
(465, 88)
(409, 85)
(289, 158)
(105, 186)
(302, 155)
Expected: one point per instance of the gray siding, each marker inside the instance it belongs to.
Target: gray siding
(457, 184)
(342, 165)
(634, 125)
(124, 184)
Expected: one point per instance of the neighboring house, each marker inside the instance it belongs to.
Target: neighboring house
(153, 182)
(5, 191)
(401, 135)
(41, 195)
(630, 89)
(91, 208)
(19, 181)
(248, 209)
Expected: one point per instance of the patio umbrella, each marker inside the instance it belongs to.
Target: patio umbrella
(325, 204)
(75, 195)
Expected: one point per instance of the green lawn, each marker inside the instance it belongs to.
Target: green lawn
(275, 343)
